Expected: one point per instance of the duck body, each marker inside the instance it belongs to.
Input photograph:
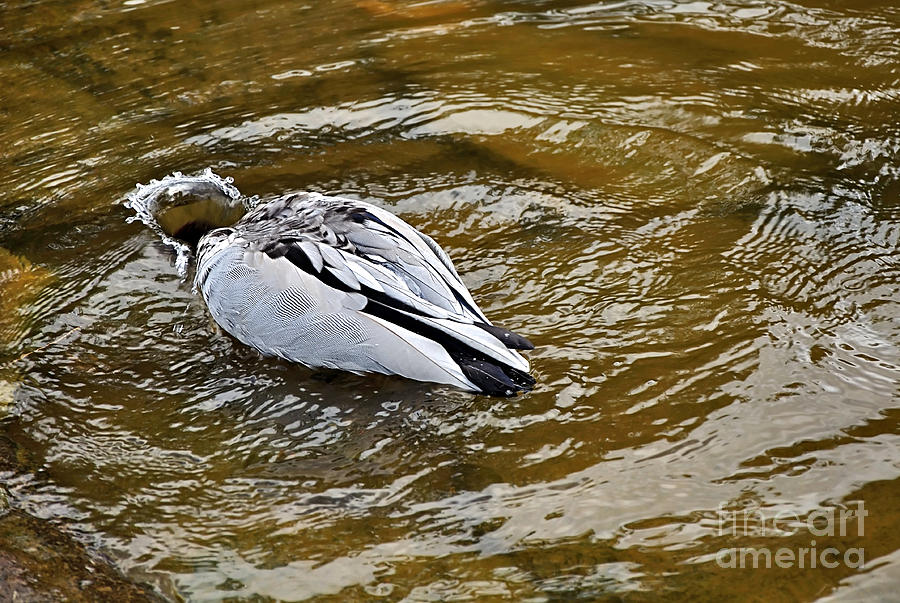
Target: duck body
(339, 283)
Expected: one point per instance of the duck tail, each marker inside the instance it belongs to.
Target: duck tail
(494, 379)
(511, 340)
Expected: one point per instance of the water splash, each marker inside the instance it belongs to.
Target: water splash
(148, 200)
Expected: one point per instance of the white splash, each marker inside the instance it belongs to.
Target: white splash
(148, 199)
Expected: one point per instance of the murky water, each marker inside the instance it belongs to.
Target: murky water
(692, 209)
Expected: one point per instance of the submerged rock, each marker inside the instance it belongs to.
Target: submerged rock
(38, 562)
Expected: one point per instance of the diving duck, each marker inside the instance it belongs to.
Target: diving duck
(332, 282)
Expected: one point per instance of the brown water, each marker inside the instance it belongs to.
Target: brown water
(693, 210)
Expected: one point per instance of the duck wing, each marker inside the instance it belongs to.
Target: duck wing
(325, 226)
(401, 279)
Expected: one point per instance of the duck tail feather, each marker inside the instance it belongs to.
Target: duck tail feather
(513, 341)
(494, 380)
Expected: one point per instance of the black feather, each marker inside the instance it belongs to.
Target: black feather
(513, 341)
(493, 379)
(487, 377)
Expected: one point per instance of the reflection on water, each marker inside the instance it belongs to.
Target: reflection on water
(690, 207)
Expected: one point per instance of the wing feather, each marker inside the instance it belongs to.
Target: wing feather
(345, 275)
(364, 277)
(438, 263)
(421, 321)
(312, 252)
(419, 357)
(331, 255)
(472, 336)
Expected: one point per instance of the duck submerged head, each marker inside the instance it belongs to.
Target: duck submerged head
(182, 209)
(196, 212)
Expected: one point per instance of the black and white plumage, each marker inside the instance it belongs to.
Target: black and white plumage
(339, 283)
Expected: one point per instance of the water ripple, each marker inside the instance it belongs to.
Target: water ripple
(690, 207)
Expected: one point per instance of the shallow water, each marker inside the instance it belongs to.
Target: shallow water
(690, 207)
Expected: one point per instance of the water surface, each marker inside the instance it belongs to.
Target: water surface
(690, 207)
